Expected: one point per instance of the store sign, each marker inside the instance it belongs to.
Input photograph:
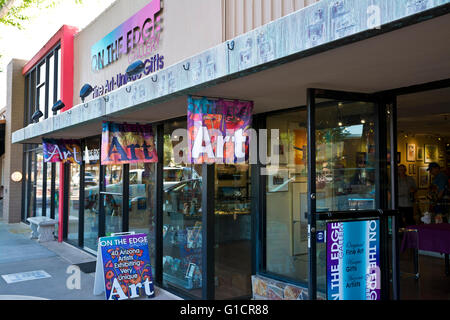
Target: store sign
(123, 265)
(136, 37)
(124, 143)
(60, 150)
(218, 130)
(353, 260)
(151, 65)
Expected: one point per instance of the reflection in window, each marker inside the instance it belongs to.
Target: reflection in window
(232, 231)
(142, 202)
(345, 156)
(113, 198)
(182, 220)
(91, 192)
(74, 197)
(39, 183)
(286, 201)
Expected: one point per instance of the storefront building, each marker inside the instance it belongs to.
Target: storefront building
(323, 75)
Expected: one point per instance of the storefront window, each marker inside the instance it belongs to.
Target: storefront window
(113, 198)
(74, 195)
(142, 202)
(233, 255)
(286, 197)
(91, 192)
(182, 220)
(48, 190)
(39, 183)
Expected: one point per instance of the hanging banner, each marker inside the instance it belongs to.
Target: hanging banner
(218, 130)
(353, 260)
(59, 150)
(123, 269)
(124, 143)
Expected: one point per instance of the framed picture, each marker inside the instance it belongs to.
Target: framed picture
(431, 153)
(279, 181)
(399, 157)
(424, 178)
(411, 169)
(419, 154)
(410, 152)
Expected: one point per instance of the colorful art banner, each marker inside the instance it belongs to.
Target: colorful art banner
(123, 263)
(124, 143)
(60, 150)
(353, 260)
(218, 130)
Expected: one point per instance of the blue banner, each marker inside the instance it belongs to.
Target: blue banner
(353, 260)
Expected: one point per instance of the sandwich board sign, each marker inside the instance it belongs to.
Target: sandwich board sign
(123, 269)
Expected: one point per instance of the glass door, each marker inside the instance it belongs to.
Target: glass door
(348, 178)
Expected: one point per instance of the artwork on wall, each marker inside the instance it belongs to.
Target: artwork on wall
(424, 178)
(410, 152)
(431, 153)
(419, 154)
(411, 169)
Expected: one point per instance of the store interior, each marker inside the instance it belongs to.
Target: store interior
(423, 137)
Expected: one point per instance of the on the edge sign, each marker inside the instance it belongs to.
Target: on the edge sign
(353, 260)
(142, 29)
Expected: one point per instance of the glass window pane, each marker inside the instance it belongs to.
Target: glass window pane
(39, 183)
(345, 156)
(41, 74)
(233, 255)
(113, 198)
(74, 203)
(51, 85)
(91, 193)
(59, 76)
(142, 202)
(56, 195)
(41, 101)
(182, 220)
(286, 197)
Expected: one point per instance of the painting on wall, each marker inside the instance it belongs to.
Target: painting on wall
(411, 169)
(410, 152)
(424, 178)
(431, 153)
(419, 154)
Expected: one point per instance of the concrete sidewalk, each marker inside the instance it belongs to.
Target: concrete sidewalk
(18, 253)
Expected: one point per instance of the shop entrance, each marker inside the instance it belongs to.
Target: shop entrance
(348, 175)
(423, 142)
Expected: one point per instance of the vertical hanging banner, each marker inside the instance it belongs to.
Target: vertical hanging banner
(124, 143)
(353, 260)
(218, 130)
(60, 150)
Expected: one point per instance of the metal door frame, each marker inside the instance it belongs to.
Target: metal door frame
(382, 211)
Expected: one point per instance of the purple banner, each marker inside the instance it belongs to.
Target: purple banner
(218, 130)
(127, 143)
(59, 150)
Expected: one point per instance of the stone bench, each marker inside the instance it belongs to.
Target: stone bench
(42, 228)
